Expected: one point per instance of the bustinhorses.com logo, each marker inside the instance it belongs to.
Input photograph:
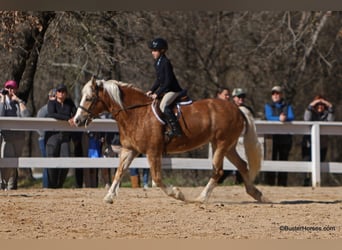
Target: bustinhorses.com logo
(306, 228)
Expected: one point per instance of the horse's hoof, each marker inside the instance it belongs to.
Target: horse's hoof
(263, 199)
(178, 194)
(108, 200)
(200, 199)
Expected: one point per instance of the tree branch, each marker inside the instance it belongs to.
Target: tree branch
(314, 38)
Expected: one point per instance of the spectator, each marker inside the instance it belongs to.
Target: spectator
(135, 177)
(319, 109)
(112, 149)
(58, 142)
(95, 143)
(77, 141)
(43, 112)
(223, 93)
(279, 110)
(239, 96)
(12, 141)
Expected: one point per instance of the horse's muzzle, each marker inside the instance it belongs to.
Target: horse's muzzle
(79, 122)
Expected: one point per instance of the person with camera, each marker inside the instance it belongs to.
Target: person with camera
(12, 141)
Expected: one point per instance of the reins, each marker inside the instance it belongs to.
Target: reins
(131, 107)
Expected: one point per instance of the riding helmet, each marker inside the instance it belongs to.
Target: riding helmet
(158, 44)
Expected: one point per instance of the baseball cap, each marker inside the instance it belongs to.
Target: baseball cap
(61, 87)
(277, 89)
(11, 84)
(238, 92)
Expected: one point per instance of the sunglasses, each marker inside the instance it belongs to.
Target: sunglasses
(61, 90)
(275, 93)
(241, 96)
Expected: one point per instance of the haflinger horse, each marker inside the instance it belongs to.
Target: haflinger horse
(208, 120)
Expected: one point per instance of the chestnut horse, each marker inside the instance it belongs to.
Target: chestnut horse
(209, 120)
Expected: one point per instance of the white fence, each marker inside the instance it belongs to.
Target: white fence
(263, 128)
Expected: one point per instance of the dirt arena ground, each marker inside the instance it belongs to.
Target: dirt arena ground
(296, 213)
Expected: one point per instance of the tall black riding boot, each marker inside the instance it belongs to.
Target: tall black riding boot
(171, 119)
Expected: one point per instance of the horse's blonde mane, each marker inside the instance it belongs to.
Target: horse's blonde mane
(113, 90)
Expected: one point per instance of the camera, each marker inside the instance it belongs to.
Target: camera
(4, 91)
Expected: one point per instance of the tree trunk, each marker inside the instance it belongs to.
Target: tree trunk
(24, 68)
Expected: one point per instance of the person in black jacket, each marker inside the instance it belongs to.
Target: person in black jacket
(166, 86)
(58, 142)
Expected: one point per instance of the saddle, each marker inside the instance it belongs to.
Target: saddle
(182, 100)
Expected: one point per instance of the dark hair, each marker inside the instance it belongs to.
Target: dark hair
(220, 90)
(318, 97)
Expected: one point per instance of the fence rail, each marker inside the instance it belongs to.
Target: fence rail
(315, 167)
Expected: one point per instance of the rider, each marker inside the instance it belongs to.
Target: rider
(166, 86)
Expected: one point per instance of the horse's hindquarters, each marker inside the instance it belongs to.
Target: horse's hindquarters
(208, 120)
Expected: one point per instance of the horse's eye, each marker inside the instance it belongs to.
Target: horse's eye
(89, 99)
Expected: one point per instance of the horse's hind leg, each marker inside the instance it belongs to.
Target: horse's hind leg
(126, 158)
(155, 162)
(241, 165)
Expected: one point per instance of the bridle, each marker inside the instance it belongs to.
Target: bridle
(94, 99)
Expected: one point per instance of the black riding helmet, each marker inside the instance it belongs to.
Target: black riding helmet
(158, 44)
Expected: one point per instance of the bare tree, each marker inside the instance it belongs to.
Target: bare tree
(23, 36)
(300, 50)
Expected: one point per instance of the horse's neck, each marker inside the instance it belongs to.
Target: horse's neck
(133, 97)
(135, 106)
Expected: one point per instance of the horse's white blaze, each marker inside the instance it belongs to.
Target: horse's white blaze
(79, 111)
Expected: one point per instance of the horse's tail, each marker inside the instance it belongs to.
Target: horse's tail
(253, 148)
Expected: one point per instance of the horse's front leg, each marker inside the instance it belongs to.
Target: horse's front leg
(126, 158)
(155, 162)
(217, 173)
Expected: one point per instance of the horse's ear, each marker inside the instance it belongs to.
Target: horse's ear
(93, 81)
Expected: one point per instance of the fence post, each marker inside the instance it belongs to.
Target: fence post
(315, 155)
